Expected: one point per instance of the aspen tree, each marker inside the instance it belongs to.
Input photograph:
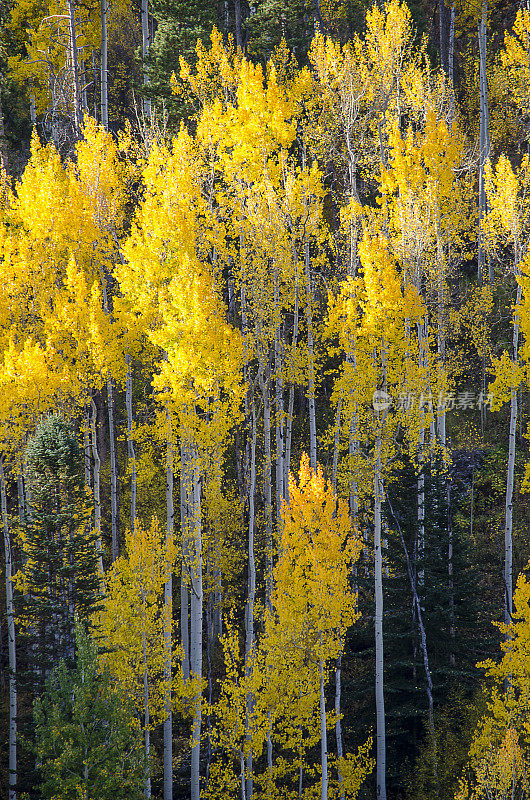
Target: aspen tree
(11, 634)
(509, 220)
(498, 756)
(199, 379)
(132, 624)
(374, 310)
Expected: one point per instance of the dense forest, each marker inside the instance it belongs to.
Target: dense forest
(264, 400)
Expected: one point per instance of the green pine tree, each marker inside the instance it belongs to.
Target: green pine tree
(88, 740)
(61, 573)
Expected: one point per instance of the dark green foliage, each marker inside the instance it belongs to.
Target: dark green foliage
(61, 572)
(88, 741)
(180, 25)
(274, 20)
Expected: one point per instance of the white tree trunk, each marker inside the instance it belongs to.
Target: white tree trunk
(451, 64)
(267, 480)
(12, 655)
(113, 471)
(196, 620)
(336, 443)
(290, 408)
(168, 625)
(185, 488)
(311, 365)
(251, 594)
(87, 448)
(104, 71)
(508, 524)
(4, 163)
(278, 367)
(484, 141)
(145, 50)
(147, 721)
(338, 724)
(323, 734)
(97, 499)
(378, 568)
(78, 118)
(131, 454)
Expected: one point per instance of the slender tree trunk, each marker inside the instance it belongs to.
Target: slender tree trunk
(145, 51)
(336, 443)
(443, 34)
(484, 142)
(311, 365)
(310, 351)
(168, 624)
(196, 620)
(423, 638)
(379, 694)
(267, 480)
(104, 71)
(12, 655)
(147, 722)
(97, 499)
(4, 163)
(95, 93)
(251, 596)
(239, 33)
(131, 454)
(280, 476)
(87, 448)
(185, 489)
(338, 724)
(78, 118)
(323, 734)
(290, 411)
(114, 508)
(451, 64)
(508, 524)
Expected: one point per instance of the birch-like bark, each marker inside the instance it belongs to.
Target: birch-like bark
(12, 654)
(338, 723)
(147, 722)
(267, 480)
(451, 65)
(168, 624)
(442, 34)
(290, 407)
(508, 523)
(323, 734)
(114, 509)
(104, 70)
(310, 352)
(78, 118)
(4, 163)
(251, 594)
(131, 454)
(311, 365)
(97, 498)
(378, 624)
(145, 51)
(196, 620)
(87, 448)
(484, 142)
(239, 33)
(336, 442)
(21, 499)
(185, 568)
(279, 427)
(423, 636)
